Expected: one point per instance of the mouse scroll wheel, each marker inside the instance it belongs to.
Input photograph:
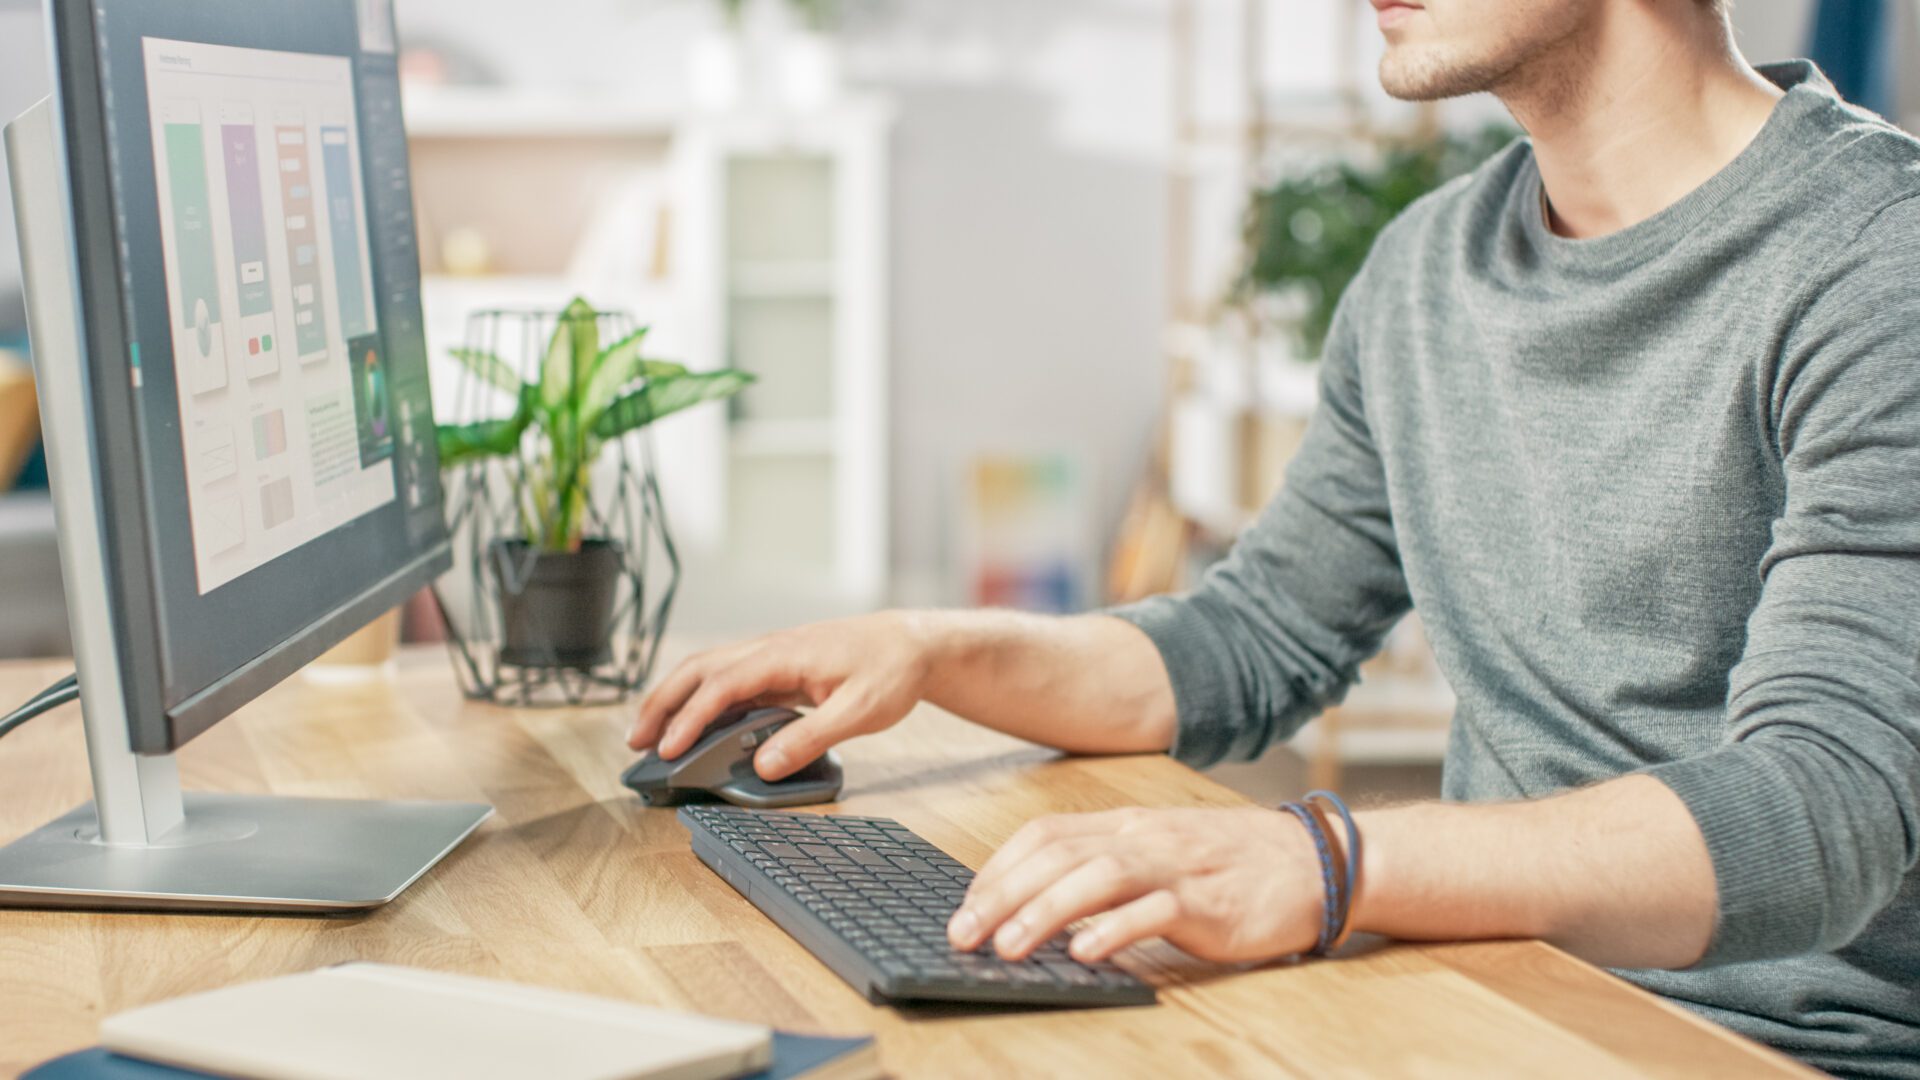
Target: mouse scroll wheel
(754, 738)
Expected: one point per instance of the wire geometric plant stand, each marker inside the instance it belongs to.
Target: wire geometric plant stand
(487, 502)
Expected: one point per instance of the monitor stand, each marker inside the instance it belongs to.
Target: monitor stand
(232, 853)
(141, 843)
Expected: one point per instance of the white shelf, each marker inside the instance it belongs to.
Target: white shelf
(640, 296)
(781, 280)
(1370, 747)
(478, 112)
(1417, 715)
(506, 284)
(1400, 696)
(782, 438)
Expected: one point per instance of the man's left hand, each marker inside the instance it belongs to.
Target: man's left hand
(1225, 885)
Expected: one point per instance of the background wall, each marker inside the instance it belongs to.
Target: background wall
(1772, 29)
(23, 80)
(1028, 215)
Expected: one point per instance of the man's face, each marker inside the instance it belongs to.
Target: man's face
(1446, 48)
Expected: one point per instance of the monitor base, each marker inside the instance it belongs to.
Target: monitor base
(240, 853)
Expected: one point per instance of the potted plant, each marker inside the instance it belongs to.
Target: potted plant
(779, 53)
(557, 580)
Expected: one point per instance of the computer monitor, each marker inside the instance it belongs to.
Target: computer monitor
(223, 291)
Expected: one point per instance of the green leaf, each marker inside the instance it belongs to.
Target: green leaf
(556, 369)
(586, 344)
(460, 443)
(611, 370)
(490, 368)
(664, 397)
(619, 366)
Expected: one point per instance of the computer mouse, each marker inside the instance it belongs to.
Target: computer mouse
(720, 766)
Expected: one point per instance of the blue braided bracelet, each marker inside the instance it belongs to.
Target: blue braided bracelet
(1328, 927)
(1351, 881)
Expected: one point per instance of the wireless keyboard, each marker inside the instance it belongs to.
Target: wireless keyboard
(871, 899)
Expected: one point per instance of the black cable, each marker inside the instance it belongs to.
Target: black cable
(65, 685)
(67, 689)
(72, 680)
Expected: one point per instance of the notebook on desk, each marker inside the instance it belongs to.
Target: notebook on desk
(795, 1057)
(373, 1021)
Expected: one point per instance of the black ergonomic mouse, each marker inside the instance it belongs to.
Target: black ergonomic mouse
(720, 766)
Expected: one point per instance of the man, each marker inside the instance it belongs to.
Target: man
(1632, 416)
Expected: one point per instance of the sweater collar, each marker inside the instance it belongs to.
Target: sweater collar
(1807, 91)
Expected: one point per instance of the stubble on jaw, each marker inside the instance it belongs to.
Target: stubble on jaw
(1536, 62)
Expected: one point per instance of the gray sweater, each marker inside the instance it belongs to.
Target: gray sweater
(1656, 497)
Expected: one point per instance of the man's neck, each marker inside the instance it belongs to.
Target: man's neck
(1629, 118)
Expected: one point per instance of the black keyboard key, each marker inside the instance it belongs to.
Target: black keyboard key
(1071, 974)
(865, 856)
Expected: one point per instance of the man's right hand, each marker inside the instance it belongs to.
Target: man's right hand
(1088, 684)
(861, 675)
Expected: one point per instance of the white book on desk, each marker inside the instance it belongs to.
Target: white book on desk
(376, 1022)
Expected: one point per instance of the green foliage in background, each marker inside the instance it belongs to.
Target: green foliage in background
(585, 397)
(1312, 232)
(814, 14)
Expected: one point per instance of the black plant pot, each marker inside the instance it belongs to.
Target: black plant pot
(556, 607)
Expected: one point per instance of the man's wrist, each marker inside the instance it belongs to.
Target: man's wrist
(1425, 874)
(1397, 896)
(930, 641)
(1375, 871)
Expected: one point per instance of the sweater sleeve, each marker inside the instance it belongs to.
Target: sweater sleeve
(1811, 806)
(1275, 631)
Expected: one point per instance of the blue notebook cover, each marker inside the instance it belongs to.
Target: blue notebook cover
(98, 1064)
(794, 1056)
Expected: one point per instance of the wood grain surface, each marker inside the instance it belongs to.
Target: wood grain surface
(573, 884)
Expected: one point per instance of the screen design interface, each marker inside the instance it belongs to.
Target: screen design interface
(285, 390)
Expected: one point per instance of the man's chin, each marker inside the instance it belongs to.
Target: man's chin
(1427, 78)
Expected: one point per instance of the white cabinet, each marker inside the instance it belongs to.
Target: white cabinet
(784, 223)
(755, 239)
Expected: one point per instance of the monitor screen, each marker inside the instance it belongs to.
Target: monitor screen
(271, 321)
(285, 415)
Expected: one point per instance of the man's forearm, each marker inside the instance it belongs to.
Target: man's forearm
(1617, 874)
(1090, 684)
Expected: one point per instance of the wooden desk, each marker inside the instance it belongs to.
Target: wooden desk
(573, 884)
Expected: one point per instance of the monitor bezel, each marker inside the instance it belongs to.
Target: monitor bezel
(119, 478)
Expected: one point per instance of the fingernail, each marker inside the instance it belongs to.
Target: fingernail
(1010, 938)
(772, 761)
(963, 929)
(1085, 945)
